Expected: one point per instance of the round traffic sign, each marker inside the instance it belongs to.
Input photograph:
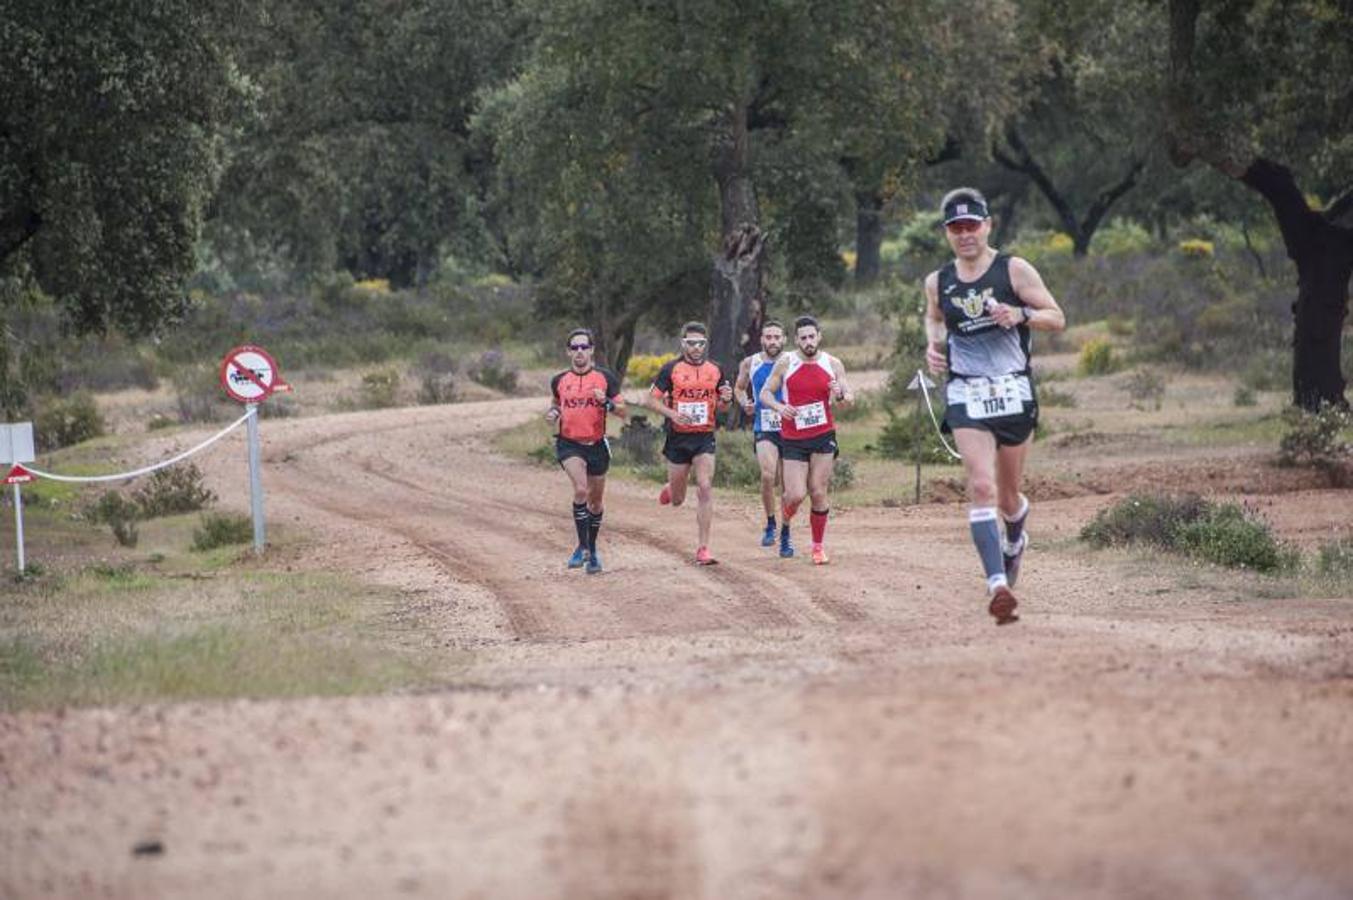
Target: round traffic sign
(249, 374)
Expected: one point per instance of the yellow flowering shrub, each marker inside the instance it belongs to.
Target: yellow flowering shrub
(643, 367)
(1060, 242)
(1196, 247)
(848, 257)
(1097, 358)
(374, 285)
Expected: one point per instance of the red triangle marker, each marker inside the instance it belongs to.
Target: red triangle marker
(18, 475)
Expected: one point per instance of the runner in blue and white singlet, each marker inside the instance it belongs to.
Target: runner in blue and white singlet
(752, 375)
(981, 309)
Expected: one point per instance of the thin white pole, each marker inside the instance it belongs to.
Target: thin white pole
(256, 480)
(18, 523)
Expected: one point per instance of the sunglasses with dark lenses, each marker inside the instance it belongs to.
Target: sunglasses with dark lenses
(577, 347)
(963, 226)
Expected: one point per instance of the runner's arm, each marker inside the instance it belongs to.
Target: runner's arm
(843, 394)
(658, 395)
(724, 391)
(935, 332)
(553, 414)
(745, 400)
(1042, 312)
(612, 395)
(772, 386)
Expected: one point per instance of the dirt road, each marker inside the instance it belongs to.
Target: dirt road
(758, 728)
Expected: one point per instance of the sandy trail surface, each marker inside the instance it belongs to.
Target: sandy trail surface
(757, 728)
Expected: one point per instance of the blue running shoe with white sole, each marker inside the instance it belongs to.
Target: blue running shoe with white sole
(786, 548)
(578, 558)
(768, 538)
(593, 564)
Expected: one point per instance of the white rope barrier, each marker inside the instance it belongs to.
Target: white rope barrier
(251, 411)
(921, 379)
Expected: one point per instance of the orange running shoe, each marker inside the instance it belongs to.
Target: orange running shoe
(665, 496)
(1002, 606)
(820, 555)
(703, 557)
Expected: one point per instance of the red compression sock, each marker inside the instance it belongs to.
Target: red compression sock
(819, 522)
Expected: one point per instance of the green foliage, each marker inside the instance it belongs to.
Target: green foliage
(222, 530)
(63, 422)
(1225, 534)
(114, 118)
(494, 370)
(119, 514)
(1315, 439)
(1097, 358)
(1146, 388)
(197, 393)
(1050, 395)
(1244, 396)
(176, 489)
(900, 434)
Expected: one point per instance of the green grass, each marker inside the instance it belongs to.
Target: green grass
(123, 634)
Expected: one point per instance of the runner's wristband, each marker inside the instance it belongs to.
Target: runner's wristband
(609, 405)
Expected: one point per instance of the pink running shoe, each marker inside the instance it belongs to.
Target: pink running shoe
(703, 557)
(665, 495)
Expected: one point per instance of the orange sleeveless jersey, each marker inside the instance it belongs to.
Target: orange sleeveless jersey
(693, 390)
(582, 417)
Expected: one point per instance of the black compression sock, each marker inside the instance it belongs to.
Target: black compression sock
(580, 521)
(593, 526)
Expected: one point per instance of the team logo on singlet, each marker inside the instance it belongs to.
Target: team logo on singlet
(974, 304)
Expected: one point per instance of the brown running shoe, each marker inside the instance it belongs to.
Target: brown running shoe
(1002, 606)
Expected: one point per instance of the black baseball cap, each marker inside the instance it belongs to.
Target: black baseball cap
(964, 208)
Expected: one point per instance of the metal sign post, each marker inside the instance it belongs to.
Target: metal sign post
(249, 374)
(919, 383)
(256, 481)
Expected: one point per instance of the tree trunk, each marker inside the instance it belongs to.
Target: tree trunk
(1323, 254)
(868, 236)
(737, 302)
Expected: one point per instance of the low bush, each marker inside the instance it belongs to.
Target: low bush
(1048, 395)
(642, 368)
(119, 514)
(176, 489)
(436, 373)
(1314, 439)
(899, 435)
(1097, 358)
(222, 530)
(1225, 534)
(62, 422)
(1244, 396)
(379, 390)
(1145, 388)
(494, 370)
(1336, 558)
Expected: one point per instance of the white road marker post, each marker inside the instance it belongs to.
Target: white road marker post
(16, 448)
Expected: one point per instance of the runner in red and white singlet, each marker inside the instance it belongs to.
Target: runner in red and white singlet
(813, 382)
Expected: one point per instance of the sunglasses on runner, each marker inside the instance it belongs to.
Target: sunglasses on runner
(694, 342)
(576, 347)
(963, 226)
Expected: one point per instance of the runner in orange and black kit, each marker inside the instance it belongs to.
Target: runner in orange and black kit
(583, 395)
(813, 382)
(688, 392)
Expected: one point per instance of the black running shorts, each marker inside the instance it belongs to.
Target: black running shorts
(803, 450)
(682, 447)
(772, 436)
(1010, 431)
(597, 456)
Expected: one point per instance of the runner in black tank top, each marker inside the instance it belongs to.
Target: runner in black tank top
(981, 310)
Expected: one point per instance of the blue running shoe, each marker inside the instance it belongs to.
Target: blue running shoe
(578, 558)
(786, 548)
(593, 564)
(768, 539)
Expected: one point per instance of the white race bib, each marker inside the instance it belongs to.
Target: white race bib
(810, 415)
(698, 413)
(770, 420)
(988, 398)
